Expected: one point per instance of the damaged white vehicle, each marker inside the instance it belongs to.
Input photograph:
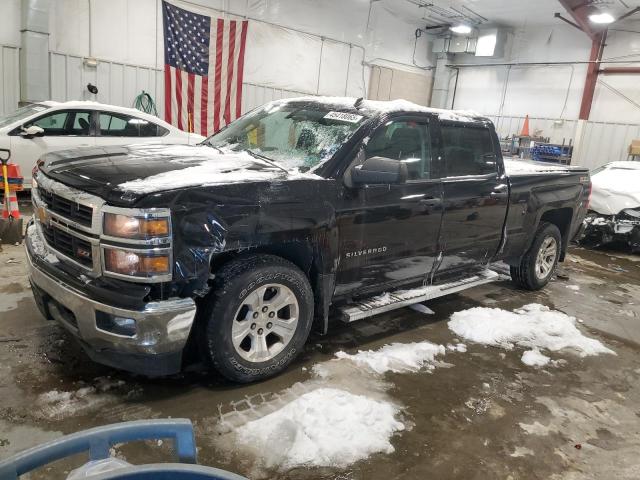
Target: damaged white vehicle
(614, 210)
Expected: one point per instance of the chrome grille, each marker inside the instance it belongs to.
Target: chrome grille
(71, 246)
(66, 208)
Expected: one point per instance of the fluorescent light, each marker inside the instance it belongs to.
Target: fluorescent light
(462, 29)
(603, 17)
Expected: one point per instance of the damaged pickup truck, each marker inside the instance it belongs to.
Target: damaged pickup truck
(231, 252)
(614, 211)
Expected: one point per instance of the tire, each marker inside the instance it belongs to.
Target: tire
(242, 289)
(533, 273)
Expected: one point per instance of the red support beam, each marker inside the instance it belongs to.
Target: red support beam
(620, 71)
(597, 47)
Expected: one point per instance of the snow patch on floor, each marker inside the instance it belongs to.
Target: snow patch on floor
(325, 427)
(521, 452)
(533, 326)
(575, 288)
(397, 357)
(534, 358)
(57, 404)
(420, 308)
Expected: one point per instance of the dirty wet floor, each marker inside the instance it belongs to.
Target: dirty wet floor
(479, 414)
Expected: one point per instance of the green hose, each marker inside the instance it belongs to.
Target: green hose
(144, 102)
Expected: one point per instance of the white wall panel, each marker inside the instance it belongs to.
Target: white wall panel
(10, 22)
(9, 79)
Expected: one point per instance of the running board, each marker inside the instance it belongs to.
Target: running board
(403, 298)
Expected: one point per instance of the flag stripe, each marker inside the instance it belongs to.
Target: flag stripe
(240, 74)
(232, 45)
(190, 100)
(204, 99)
(179, 98)
(218, 77)
(167, 93)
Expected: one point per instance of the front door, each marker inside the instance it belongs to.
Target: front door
(63, 129)
(389, 233)
(475, 199)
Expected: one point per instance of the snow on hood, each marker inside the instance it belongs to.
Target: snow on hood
(615, 188)
(210, 167)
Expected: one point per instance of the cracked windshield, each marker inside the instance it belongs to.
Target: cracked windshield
(293, 136)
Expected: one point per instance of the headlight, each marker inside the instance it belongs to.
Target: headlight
(136, 263)
(138, 228)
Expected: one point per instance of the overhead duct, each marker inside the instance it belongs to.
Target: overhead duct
(486, 42)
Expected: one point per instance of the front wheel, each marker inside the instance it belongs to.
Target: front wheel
(539, 263)
(257, 317)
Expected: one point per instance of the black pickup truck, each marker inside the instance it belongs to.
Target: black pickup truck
(232, 251)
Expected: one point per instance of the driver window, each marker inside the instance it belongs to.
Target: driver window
(64, 123)
(406, 141)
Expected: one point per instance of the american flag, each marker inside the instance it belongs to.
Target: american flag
(204, 61)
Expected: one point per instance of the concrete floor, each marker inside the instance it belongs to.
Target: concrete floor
(485, 416)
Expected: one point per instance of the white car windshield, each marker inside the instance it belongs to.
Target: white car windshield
(292, 135)
(21, 114)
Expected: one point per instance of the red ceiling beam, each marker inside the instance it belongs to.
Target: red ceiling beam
(620, 70)
(578, 9)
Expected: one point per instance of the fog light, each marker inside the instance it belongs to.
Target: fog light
(115, 324)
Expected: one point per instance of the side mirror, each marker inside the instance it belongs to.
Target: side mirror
(32, 131)
(379, 171)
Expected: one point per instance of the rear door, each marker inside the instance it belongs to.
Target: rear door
(475, 198)
(389, 233)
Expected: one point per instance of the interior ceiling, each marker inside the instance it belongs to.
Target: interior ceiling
(512, 13)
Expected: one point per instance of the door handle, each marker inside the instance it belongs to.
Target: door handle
(500, 191)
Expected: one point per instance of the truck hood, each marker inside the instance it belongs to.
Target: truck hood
(130, 172)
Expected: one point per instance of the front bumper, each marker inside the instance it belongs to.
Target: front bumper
(161, 328)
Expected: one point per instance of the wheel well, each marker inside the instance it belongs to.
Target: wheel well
(300, 254)
(561, 218)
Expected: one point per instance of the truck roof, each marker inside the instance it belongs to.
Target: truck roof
(386, 106)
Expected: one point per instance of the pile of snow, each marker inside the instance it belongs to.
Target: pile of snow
(326, 427)
(533, 326)
(397, 357)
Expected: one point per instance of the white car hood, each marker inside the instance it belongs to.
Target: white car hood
(615, 189)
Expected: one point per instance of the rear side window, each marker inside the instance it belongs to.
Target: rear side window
(118, 125)
(468, 150)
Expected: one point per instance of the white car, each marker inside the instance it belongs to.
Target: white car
(36, 129)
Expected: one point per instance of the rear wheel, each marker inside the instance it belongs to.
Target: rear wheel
(539, 263)
(257, 317)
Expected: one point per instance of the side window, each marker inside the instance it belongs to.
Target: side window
(405, 141)
(119, 125)
(468, 150)
(65, 123)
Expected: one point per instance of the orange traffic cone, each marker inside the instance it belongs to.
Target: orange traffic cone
(10, 206)
(525, 127)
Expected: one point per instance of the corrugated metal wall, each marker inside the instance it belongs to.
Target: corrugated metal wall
(9, 78)
(604, 142)
(601, 142)
(254, 95)
(118, 83)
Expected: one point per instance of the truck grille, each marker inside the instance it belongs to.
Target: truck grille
(69, 245)
(69, 209)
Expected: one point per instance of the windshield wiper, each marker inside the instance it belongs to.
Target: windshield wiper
(266, 159)
(213, 146)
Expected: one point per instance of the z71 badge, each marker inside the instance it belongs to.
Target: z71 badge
(364, 252)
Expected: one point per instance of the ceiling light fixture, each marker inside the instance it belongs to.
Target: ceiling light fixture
(601, 17)
(461, 28)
